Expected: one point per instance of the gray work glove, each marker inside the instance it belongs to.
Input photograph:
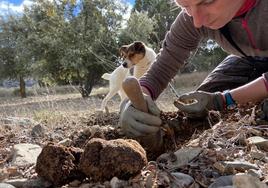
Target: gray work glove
(197, 104)
(136, 123)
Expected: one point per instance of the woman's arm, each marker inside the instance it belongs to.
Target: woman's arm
(251, 92)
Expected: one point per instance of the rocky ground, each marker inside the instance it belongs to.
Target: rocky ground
(88, 149)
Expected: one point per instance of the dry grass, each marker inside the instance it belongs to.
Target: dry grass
(192, 80)
(47, 103)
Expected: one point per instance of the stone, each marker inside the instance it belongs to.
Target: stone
(37, 183)
(5, 185)
(24, 122)
(32, 183)
(255, 173)
(103, 160)
(259, 142)
(25, 154)
(75, 183)
(247, 181)
(66, 142)
(17, 182)
(222, 181)
(85, 185)
(116, 183)
(38, 131)
(181, 179)
(238, 165)
(179, 158)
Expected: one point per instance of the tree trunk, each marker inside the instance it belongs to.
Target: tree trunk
(22, 88)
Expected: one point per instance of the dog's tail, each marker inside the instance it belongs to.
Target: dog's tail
(106, 76)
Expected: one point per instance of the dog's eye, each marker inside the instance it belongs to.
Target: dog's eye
(131, 55)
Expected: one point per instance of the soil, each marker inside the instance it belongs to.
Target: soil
(222, 137)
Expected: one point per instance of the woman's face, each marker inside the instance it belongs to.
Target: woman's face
(213, 14)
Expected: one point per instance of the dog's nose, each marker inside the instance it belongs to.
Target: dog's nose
(125, 64)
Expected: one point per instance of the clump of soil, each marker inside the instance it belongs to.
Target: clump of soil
(59, 164)
(81, 138)
(120, 158)
(179, 129)
(102, 119)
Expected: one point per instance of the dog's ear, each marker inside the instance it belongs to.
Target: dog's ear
(139, 47)
(123, 50)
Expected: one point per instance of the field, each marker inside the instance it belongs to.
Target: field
(67, 100)
(60, 115)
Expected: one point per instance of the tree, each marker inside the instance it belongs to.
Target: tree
(139, 28)
(15, 57)
(208, 56)
(163, 12)
(76, 41)
(94, 42)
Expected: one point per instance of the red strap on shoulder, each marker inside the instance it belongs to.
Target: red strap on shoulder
(249, 4)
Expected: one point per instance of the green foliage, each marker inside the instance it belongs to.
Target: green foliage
(208, 56)
(163, 12)
(139, 28)
(62, 41)
(71, 41)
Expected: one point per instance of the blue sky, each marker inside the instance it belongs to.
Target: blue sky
(18, 2)
(17, 5)
(13, 5)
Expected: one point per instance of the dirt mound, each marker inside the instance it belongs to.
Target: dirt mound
(102, 119)
(231, 143)
(95, 131)
(120, 158)
(58, 164)
(101, 160)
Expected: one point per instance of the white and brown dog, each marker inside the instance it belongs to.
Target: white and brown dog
(136, 55)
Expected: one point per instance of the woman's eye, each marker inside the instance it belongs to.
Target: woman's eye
(207, 2)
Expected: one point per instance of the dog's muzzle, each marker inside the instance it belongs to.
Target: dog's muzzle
(125, 65)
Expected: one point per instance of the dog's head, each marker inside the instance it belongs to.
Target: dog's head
(132, 53)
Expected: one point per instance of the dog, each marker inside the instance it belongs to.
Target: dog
(135, 55)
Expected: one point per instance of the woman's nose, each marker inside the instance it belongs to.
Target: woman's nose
(198, 16)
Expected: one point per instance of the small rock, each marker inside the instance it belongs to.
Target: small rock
(37, 183)
(257, 155)
(222, 181)
(259, 142)
(247, 181)
(219, 166)
(117, 183)
(181, 179)
(38, 131)
(25, 154)
(21, 121)
(179, 158)
(13, 171)
(5, 185)
(238, 165)
(103, 159)
(66, 142)
(32, 183)
(255, 173)
(75, 183)
(3, 174)
(17, 182)
(85, 185)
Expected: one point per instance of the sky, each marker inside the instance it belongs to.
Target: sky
(12, 5)
(17, 5)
